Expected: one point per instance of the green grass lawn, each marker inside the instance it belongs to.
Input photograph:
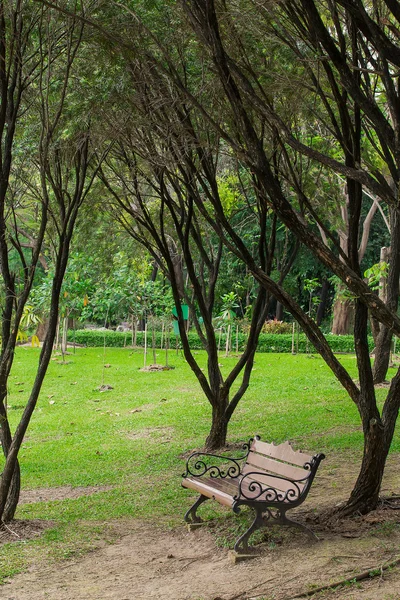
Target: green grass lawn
(132, 437)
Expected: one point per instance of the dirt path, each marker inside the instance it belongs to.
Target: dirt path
(149, 562)
(152, 563)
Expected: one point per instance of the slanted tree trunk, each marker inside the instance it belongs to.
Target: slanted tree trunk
(391, 291)
(365, 494)
(382, 354)
(14, 489)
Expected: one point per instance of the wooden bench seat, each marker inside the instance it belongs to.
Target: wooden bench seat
(271, 479)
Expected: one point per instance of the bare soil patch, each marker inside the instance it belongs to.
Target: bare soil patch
(149, 561)
(163, 434)
(60, 493)
(154, 367)
(22, 530)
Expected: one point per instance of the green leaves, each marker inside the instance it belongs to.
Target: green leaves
(377, 274)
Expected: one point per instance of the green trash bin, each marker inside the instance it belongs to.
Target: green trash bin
(185, 311)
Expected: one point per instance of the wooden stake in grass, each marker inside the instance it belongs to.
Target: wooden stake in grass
(104, 347)
(166, 343)
(293, 330)
(64, 337)
(57, 334)
(227, 343)
(153, 343)
(145, 344)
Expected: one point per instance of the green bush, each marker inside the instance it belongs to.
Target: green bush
(267, 342)
(276, 327)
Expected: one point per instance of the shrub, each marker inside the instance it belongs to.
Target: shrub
(276, 327)
(267, 342)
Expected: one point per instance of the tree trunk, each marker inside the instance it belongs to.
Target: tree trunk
(382, 355)
(13, 495)
(14, 490)
(365, 494)
(321, 311)
(343, 317)
(279, 312)
(389, 294)
(219, 427)
(42, 329)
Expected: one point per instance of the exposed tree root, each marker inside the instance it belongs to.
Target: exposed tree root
(360, 577)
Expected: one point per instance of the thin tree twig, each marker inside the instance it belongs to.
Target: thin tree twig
(245, 593)
(10, 530)
(369, 574)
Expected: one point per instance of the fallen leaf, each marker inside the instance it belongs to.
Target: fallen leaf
(52, 402)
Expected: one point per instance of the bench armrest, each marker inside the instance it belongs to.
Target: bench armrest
(252, 487)
(201, 463)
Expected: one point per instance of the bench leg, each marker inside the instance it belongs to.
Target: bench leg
(190, 516)
(242, 544)
(265, 517)
(288, 522)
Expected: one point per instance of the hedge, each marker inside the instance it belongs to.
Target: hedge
(266, 343)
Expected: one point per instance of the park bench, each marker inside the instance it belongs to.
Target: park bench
(270, 479)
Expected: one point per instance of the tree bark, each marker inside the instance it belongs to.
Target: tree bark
(12, 499)
(343, 317)
(13, 495)
(382, 354)
(279, 312)
(322, 307)
(391, 293)
(365, 494)
(219, 425)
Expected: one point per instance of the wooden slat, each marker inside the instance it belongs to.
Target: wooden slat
(208, 488)
(260, 462)
(228, 486)
(282, 452)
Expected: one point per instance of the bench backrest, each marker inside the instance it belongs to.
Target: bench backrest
(282, 461)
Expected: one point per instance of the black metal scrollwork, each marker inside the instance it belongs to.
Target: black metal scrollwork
(252, 490)
(312, 465)
(197, 466)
